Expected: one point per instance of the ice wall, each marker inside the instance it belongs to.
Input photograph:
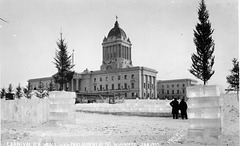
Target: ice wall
(132, 107)
(57, 108)
(33, 110)
(204, 110)
(61, 108)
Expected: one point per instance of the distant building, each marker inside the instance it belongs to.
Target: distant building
(117, 74)
(169, 89)
(44, 82)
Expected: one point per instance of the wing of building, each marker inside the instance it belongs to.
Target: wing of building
(116, 75)
(170, 89)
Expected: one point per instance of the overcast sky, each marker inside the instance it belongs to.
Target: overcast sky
(161, 32)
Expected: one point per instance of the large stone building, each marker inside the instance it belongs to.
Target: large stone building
(169, 89)
(117, 74)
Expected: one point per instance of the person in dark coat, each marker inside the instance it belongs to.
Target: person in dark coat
(175, 108)
(183, 108)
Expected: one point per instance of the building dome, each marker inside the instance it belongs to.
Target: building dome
(117, 32)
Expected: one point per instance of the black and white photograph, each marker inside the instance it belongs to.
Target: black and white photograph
(119, 72)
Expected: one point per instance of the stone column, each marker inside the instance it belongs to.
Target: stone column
(79, 85)
(123, 53)
(154, 86)
(142, 82)
(146, 85)
(204, 111)
(111, 51)
(120, 50)
(130, 53)
(74, 85)
(127, 52)
(70, 85)
(150, 86)
(77, 88)
(103, 52)
(107, 52)
(117, 51)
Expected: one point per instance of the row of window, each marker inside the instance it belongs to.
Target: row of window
(147, 95)
(183, 85)
(172, 97)
(36, 86)
(134, 95)
(112, 78)
(178, 92)
(101, 87)
(126, 86)
(148, 86)
(111, 51)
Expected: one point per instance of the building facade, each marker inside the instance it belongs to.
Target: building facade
(170, 89)
(43, 83)
(116, 76)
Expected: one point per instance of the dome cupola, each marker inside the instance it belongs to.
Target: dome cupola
(117, 32)
(116, 48)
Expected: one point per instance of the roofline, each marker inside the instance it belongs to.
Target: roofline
(121, 70)
(177, 80)
(42, 79)
(102, 72)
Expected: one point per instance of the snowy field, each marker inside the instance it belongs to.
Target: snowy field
(97, 129)
(106, 130)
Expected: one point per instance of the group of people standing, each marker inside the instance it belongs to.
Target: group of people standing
(176, 107)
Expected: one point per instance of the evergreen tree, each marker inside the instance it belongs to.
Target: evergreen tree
(40, 86)
(19, 91)
(63, 64)
(203, 60)
(25, 91)
(28, 86)
(3, 93)
(10, 88)
(233, 79)
(51, 86)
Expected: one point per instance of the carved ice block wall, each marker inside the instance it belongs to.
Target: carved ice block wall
(61, 109)
(204, 110)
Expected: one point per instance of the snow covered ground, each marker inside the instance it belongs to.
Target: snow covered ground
(96, 129)
(105, 130)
